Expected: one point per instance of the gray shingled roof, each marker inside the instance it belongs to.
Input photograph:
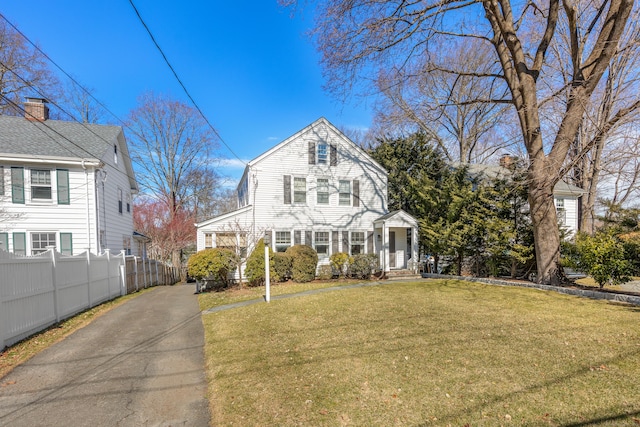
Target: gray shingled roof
(495, 171)
(55, 138)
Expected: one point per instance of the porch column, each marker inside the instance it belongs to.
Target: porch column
(385, 247)
(414, 247)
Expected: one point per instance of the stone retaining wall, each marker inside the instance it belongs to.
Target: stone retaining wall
(610, 296)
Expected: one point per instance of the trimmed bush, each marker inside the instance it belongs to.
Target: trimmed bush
(325, 272)
(213, 264)
(340, 263)
(282, 263)
(254, 270)
(363, 265)
(305, 262)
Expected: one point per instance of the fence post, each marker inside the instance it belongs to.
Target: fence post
(109, 273)
(56, 309)
(89, 278)
(2, 327)
(123, 275)
(135, 269)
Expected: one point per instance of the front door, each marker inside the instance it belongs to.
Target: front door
(392, 249)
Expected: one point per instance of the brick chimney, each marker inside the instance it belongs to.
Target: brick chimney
(36, 109)
(507, 161)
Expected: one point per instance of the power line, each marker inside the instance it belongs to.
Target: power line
(62, 70)
(175, 74)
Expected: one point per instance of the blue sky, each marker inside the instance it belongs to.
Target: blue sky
(248, 65)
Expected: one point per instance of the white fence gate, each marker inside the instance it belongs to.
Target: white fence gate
(39, 291)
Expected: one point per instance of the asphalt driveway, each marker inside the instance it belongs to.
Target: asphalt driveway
(140, 364)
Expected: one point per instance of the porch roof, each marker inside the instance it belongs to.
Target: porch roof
(397, 218)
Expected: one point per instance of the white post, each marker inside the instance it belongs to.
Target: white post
(266, 274)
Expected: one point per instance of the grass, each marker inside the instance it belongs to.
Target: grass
(435, 352)
(214, 299)
(26, 349)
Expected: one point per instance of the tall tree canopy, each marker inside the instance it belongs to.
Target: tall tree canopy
(170, 143)
(359, 39)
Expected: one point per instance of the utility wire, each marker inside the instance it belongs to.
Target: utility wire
(175, 74)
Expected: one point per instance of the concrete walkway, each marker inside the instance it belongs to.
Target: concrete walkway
(140, 364)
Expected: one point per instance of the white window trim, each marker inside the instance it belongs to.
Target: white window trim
(28, 187)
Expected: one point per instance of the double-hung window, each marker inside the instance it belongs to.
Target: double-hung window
(561, 213)
(40, 241)
(344, 190)
(357, 242)
(322, 191)
(322, 153)
(299, 190)
(40, 184)
(226, 241)
(283, 240)
(322, 242)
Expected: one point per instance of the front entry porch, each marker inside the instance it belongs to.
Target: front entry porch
(396, 237)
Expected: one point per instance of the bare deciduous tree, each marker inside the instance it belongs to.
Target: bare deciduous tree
(454, 110)
(358, 38)
(24, 72)
(605, 138)
(169, 141)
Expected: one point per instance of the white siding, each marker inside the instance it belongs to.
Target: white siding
(118, 226)
(292, 159)
(49, 216)
(263, 185)
(81, 216)
(567, 207)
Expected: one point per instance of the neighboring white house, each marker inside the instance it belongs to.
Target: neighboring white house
(64, 184)
(565, 196)
(320, 189)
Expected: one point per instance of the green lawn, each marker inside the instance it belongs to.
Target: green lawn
(433, 352)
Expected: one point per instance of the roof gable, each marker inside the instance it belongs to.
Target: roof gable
(332, 129)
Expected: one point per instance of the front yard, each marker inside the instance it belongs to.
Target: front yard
(432, 352)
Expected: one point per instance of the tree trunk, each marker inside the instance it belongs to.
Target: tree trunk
(545, 229)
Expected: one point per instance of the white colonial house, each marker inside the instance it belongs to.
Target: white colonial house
(319, 189)
(567, 197)
(66, 185)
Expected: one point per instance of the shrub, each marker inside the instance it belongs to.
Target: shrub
(363, 265)
(340, 263)
(282, 262)
(254, 270)
(214, 264)
(325, 272)
(305, 262)
(602, 257)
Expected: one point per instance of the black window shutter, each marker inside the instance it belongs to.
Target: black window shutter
(297, 237)
(334, 155)
(370, 242)
(287, 189)
(307, 238)
(334, 242)
(312, 153)
(356, 192)
(345, 242)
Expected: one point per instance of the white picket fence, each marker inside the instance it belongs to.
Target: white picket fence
(39, 291)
